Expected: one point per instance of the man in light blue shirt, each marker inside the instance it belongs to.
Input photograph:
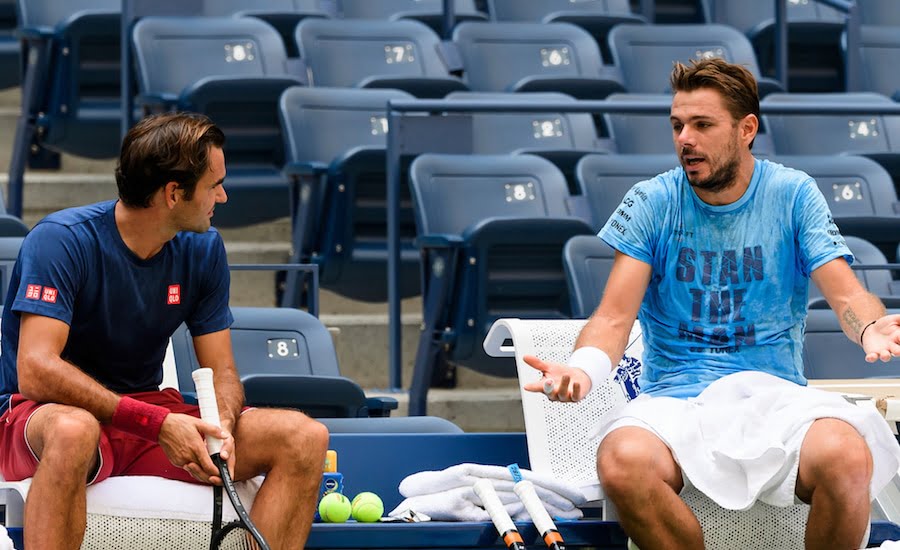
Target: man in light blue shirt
(714, 258)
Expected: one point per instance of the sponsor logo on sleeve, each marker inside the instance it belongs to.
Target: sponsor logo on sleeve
(33, 292)
(49, 295)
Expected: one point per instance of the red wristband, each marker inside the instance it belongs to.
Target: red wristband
(138, 418)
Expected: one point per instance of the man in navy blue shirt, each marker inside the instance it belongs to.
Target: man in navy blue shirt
(94, 297)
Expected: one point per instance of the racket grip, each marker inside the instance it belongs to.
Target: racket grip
(209, 407)
(545, 526)
(499, 516)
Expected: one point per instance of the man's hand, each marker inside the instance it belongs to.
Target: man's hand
(182, 439)
(559, 382)
(882, 339)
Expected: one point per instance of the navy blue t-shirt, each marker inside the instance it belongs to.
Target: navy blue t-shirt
(121, 310)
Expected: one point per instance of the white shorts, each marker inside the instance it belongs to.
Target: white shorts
(739, 440)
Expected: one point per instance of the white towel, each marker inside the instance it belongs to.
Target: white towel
(548, 488)
(462, 504)
(739, 440)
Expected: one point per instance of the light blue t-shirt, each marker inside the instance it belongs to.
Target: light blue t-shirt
(728, 290)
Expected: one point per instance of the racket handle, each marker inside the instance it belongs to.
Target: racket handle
(499, 516)
(209, 407)
(539, 515)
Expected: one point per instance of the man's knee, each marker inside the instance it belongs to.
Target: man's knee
(73, 432)
(628, 457)
(835, 453)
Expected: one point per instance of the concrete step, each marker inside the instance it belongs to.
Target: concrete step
(473, 410)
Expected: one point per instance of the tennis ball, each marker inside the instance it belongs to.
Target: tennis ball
(367, 507)
(334, 508)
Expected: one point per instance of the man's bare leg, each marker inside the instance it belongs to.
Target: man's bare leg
(834, 477)
(640, 476)
(289, 447)
(65, 438)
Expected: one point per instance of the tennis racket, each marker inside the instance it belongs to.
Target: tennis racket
(504, 524)
(539, 515)
(243, 533)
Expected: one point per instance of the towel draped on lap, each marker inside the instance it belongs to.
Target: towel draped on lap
(447, 495)
(739, 440)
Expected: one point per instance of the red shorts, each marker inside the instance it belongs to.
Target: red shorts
(121, 454)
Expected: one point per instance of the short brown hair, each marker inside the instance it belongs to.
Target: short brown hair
(735, 83)
(163, 148)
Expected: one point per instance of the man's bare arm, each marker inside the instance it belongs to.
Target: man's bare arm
(854, 305)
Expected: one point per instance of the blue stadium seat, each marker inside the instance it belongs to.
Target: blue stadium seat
(604, 179)
(430, 12)
(587, 261)
(285, 358)
(534, 57)
(645, 53)
(491, 231)
(878, 12)
(375, 54)
(10, 52)
(860, 194)
(233, 70)
(879, 50)
(562, 138)
(814, 39)
(595, 16)
(828, 353)
(336, 138)
(874, 136)
(281, 14)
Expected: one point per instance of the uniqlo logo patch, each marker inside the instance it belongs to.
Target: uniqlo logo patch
(49, 295)
(174, 295)
(33, 292)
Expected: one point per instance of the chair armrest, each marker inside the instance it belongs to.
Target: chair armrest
(435, 87)
(380, 407)
(317, 396)
(305, 168)
(439, 241)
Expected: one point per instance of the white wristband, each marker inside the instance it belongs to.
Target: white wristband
(594, 362)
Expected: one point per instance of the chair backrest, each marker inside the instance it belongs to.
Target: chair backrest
(401, 9)
(828, 353)
(374, 54)
(548, 10)
(47, 14)
(281, 14)
(9, 253)
(562, 438)
(879, 48)
(285, 357)
(604, 179)
(645, 53)
(878, 12)
(510, 57)
(748, 17)
(790, 134)
(588, 262)
(877, 282)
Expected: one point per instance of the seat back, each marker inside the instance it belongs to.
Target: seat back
(878, 12)
(645, 53)
(877, 282)
(513, 57)
(374, 54)
(78, 92)
(878, 49)
(285, 357)
(10, 53)
(345, 131)
(863, 134)
(562, 439)
(749, 17)
(429, 12)
(604, 179)
(549, 10)
(829, 354)
(587, 261)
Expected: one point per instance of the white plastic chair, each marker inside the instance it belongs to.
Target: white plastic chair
(559, 443)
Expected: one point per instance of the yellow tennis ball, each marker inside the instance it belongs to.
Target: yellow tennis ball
(367, 507)
(334, 508)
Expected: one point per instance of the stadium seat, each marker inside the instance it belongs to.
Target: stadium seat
(285, 358)
(562, 138)
(587, 261)
(491, 231)
(595, 16)
(874, 136)
(281, 14)
(878, 281)
(534, 57)
(645, 53)
(233, 70)
(879, 49)
(375, 54)
(878, 12)
(814, 39)
(828, 353)
(859, 193)
(335, 138)
(10, 52)
(604, 179)
(430, 12)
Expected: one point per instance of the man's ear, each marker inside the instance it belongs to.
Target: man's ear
(749, 128)
(171, 194)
